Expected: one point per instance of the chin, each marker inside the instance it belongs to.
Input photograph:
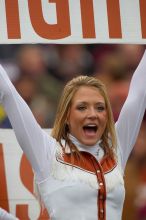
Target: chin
(89, 143)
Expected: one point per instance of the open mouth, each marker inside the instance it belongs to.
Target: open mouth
(90, 129)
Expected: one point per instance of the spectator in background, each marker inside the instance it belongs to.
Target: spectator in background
(32, 65)
(34, 81)
(126, 52)
(113, 72)
(72, 60)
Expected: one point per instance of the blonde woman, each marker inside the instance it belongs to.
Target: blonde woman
(79, 168)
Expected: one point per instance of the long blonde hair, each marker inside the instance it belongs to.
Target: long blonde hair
(60, 129)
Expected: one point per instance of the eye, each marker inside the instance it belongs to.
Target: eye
(81, 108)
(100, 108)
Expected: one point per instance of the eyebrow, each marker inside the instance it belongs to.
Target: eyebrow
(97, 103)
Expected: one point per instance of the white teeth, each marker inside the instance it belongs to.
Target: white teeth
(91, 125)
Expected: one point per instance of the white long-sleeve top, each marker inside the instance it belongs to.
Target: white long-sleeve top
(4, 215)
(73, 198)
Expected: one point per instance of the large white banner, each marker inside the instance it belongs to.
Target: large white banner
(72, 21)
(16, 180)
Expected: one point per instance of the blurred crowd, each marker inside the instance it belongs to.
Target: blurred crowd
(39, 73)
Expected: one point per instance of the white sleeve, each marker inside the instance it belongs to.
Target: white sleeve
(131, 116)
(32, 139)
(5, 215)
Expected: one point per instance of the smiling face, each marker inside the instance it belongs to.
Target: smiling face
(87, 117)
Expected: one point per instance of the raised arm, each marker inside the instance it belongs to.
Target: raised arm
(31, 137)
(7, 216)
(131, 116)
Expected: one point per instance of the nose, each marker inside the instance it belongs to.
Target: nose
(92, 113)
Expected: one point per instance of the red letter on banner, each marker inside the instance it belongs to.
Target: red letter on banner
(12, 17)
(87, 13)
(143, 17)
(26, 175)
(114, 21)
(50, 31)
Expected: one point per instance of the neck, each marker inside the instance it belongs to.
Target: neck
(95, 149)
